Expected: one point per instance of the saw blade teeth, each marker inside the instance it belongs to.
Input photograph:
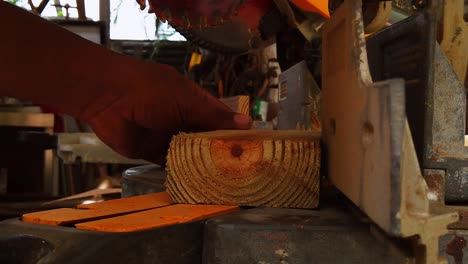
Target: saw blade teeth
(142, 4)
(168, 15)
(186, 22)
(218, 20)
(152, 8)
(161, 16)
(203, 22)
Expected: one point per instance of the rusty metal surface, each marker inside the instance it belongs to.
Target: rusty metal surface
(143, 180)
(435, 180)
(435, 98)
(372, 156)
(462, 224)
(332, 234)
(454, 247)
(444, 141)
(404, 51)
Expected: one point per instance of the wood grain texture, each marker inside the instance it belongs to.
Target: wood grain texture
(238, 104)
(249, 168)
(66, 216)
(455, 36)
(159, 217)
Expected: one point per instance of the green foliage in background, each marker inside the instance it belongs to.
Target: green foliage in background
(13, 1)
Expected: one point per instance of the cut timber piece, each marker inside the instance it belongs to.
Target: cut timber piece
(159, 217)
(66, 216)
(250, 168)
(239, 104)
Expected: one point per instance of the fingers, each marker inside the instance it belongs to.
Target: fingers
(242, 121)
(118, 133)
(185, 106)
(203, 112)
(142, 123)
(132, 141)
(154, 146)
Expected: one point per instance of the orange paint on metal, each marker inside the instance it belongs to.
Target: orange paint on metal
(316, 6)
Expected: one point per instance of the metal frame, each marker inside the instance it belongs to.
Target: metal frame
(371, 155)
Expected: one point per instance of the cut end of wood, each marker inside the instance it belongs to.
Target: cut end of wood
(250, 168)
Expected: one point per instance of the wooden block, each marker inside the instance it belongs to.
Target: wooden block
(159, 217)
(66, 216)
(238, 104)
(252, 168)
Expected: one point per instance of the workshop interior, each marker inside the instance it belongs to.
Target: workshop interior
(357, 151)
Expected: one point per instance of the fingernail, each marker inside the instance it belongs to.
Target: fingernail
(242, 121)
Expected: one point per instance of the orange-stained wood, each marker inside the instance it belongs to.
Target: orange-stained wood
(170, 215)
(133, 203)
(66, 216)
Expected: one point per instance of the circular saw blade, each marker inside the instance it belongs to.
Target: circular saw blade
(231, 37)
(227, 26)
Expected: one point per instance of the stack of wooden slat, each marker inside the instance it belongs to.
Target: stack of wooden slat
(127, 214)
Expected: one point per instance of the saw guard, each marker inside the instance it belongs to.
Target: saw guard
(315, 6)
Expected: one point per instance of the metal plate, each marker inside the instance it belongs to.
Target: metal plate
(267, 235)
(435, 98)
(363, 121)
(143, 180)
(22, 242)
(404, 50)
(444, 139)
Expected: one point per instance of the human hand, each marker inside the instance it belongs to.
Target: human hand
(141, 120)
(133, 106)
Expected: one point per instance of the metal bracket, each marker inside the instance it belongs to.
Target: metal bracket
(372, 158)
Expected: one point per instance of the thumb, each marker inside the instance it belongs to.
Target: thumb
(242, 121)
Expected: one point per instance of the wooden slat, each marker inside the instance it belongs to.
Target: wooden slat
(27, 120)
(66, 216)
(170, 215)
(134, 203)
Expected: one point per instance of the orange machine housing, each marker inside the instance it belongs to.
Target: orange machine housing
(317, 6)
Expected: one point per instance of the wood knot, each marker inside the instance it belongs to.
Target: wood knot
(236, 151)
